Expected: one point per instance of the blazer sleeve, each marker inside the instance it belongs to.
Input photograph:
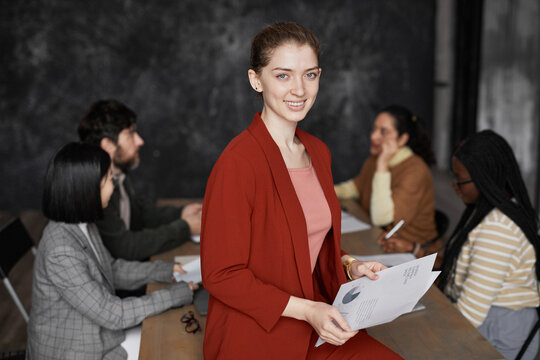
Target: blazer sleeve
(153, 216)
(226, 241)
(130, 275)
(139, 245)
(67, 269)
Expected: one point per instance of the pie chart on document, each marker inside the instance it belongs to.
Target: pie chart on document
(351, 295)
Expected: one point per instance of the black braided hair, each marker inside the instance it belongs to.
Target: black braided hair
(495, 173)
(408, 123)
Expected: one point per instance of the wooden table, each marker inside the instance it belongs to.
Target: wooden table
(163, 336)
(438, 332)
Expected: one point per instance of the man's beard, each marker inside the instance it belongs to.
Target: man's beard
(125, 164)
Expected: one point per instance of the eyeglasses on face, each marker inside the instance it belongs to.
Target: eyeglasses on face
(192, 324)
(462, 182)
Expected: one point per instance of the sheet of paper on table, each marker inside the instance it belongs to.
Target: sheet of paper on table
(193, 271)
(388, 259)
(364, 303)
(351, 224)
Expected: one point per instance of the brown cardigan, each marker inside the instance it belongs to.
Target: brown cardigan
(412, 193)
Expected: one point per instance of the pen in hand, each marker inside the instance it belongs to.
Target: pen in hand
(394, 229)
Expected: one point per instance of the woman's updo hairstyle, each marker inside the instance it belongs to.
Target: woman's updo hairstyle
(275, 35)
(408, 123)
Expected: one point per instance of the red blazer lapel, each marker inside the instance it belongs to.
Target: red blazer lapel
(289, 201)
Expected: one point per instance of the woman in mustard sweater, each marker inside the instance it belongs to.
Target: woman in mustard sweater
(395, 182)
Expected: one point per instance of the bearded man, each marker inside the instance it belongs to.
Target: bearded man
(133, 227)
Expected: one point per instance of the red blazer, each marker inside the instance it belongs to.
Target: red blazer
(254, 249)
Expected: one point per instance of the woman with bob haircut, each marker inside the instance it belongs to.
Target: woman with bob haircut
(395, 182)
(271, 228)
(75, 313)
(489, 267)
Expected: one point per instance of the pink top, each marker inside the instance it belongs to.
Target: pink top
(315, 208)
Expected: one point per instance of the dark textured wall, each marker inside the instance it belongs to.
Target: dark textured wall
(182, 66)
(509, 89)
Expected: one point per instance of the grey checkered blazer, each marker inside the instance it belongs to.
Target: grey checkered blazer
(75, 313)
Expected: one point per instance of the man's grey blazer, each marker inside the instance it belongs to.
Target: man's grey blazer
(74, 312)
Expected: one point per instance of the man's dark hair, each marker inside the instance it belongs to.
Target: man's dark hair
(105, 119)
(490, 161)
(72, 189)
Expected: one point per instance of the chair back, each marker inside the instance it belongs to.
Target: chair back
(532, 333)
(14, 244)
(441, 222)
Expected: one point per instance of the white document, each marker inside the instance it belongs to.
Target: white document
(388, 259)
(193, 272)
(364, 303)
(351, 224)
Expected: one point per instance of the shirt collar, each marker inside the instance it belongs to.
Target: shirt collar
(400, 156)
(119, 178)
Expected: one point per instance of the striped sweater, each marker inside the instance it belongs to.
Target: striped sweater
(496, 266)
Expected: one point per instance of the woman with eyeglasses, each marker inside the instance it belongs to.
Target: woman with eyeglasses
(270, 243)
(395, 182)
(489, 263)
(75, 313)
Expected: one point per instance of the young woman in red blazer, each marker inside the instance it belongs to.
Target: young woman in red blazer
(271, 225)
